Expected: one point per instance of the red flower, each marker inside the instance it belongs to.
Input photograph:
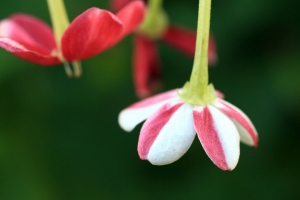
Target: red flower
(90, 33)
(146, 69)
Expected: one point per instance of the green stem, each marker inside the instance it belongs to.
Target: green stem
(199, 76)
(59, 19)
(197, 91)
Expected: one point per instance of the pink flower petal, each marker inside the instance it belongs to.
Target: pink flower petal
(245, 127)
(90, 33)
(147, 73)
(138, 112)
(181, 38)
(184, 40)
(218, 136)
(131, 16)
(38, 31)
(29, 38)
(26, 54)
(212, 51)
(219, 94)
(167, 134)
(117, 5)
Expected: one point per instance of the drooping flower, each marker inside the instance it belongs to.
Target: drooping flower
(90, 33)
(172, 124)
(174, 118)
(155, 27)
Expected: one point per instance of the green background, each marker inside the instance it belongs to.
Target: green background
(60, 140)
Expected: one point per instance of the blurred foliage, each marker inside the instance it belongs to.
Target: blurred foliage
(60, 140)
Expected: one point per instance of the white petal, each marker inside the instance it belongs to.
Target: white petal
(138, 112)
(173, 138)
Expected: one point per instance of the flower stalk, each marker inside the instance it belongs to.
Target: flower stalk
(60, 23)
(197, 91)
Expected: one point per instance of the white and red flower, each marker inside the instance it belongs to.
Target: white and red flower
(90, 33)
(172, 124)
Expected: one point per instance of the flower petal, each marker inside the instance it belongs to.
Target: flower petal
(131, 16)
(181, 38)
(218, 136)
(138, 112)
(26, 54)
(245, 127)
(219, 94)
(184, 40)
(90, 33)
(117, 5)
(212, 51)
(146, 72)
(167, 134)
(29, 38)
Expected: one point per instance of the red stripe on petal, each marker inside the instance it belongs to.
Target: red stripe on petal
(131, 16)
(241, 118)
(153, 126)
(146, 72)
(208, 136)
(90, 33)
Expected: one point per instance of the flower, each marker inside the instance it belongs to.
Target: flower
(173, 118)
(172, 124)
(90, 33)
(155, 27)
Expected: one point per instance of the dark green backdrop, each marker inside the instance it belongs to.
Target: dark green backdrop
(60, 140)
